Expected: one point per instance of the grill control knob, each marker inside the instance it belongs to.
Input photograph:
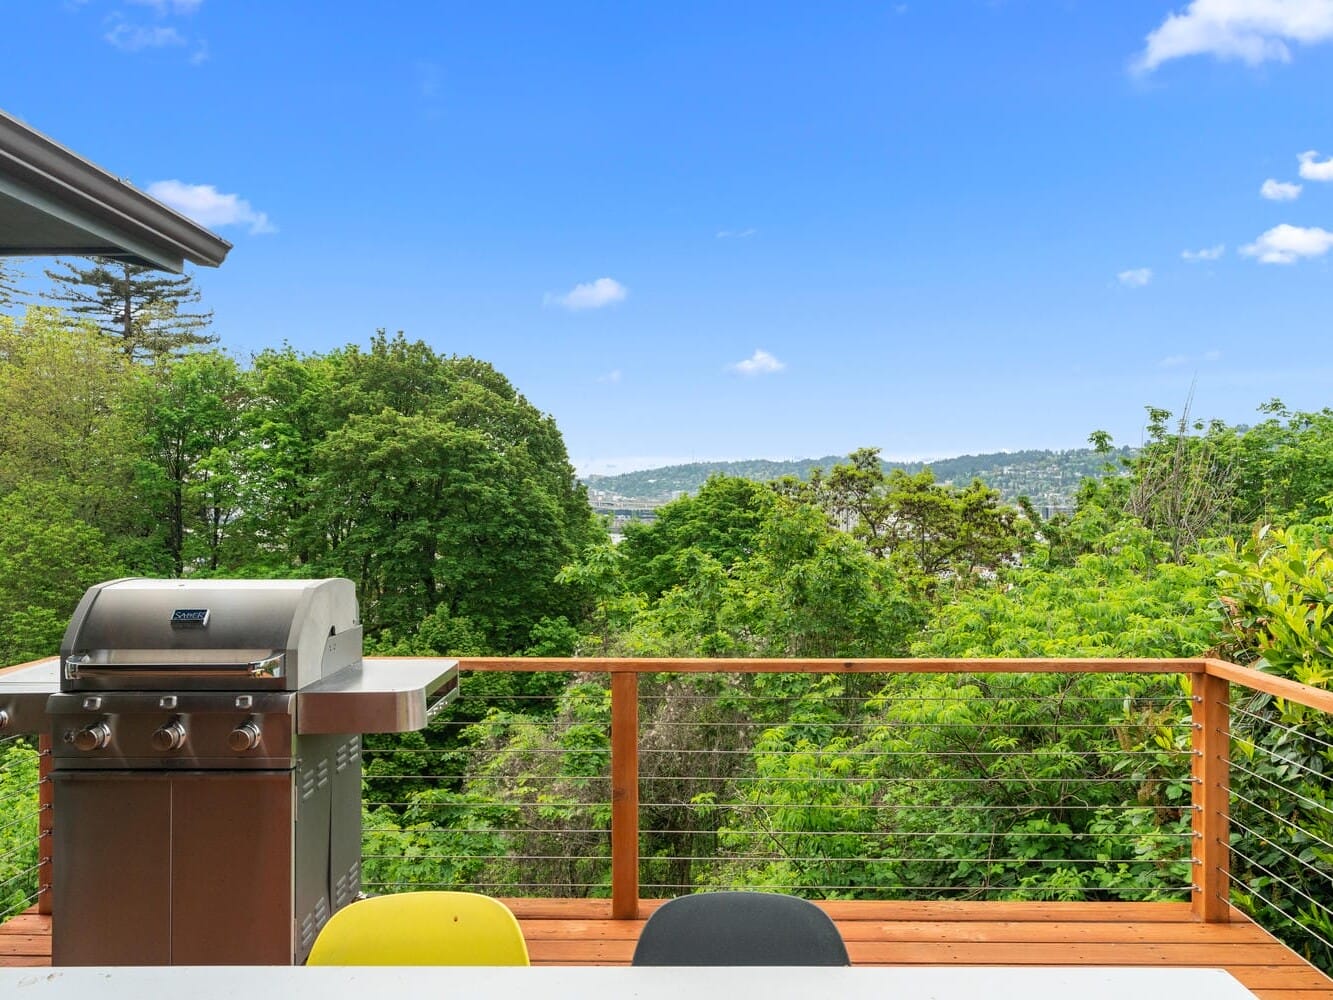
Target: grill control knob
(244, 737)
(94, 737)
(169, 737)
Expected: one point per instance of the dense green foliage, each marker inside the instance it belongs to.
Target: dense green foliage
(1277, 591)
(1044, 786)
(18, 826)
(427, 480)
(449, 500)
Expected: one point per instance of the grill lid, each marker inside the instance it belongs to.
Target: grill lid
(210, 634)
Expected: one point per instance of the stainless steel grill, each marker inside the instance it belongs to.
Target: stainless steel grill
(207, 766)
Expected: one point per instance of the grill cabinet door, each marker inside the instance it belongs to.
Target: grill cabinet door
(112, 869)
(231, 859)
(173, 868)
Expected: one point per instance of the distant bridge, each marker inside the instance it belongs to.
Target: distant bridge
(622, 510)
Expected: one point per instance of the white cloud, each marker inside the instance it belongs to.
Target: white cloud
(1279, 190)
(1135, 278)
(127, 36)
(171, 6)
(1207, 253)
(1253, 31)
(758, 363)
(1286, 244)
(611, 377)
(591, 295)
(1312, 169)
(1177, 360)
(136, 38)
(208, 206)
(736, 234)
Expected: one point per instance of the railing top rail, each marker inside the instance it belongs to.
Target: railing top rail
(1293, 691)
(718, 665)
(1280, 687)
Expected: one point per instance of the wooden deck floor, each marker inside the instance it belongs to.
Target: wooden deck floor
(580, 932)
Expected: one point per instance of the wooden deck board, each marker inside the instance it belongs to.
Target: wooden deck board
(581, 932)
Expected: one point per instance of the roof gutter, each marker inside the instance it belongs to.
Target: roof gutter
(63, 183)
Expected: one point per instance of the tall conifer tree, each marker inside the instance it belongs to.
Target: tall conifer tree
(145, 311)
(9, 293)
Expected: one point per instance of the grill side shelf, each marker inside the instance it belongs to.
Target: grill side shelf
(24, 691)
(378, 695)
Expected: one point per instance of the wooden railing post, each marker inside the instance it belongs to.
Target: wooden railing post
(45, 823)
(1210, 897)
(624, 795)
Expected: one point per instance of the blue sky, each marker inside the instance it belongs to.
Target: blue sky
(733, 230)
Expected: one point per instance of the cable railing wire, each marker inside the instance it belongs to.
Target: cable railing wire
(22, 873)
(1283, 821)
(1295, 889)
(731, 752)
(19, 819)
(1284, 761)
(778, 780)
(1273, 724)
(1132, 892)
(1269, 782)
(646, 697)
(1037, 807)
(1311, 869)
(1135, 892)
(1282, 829)
(740, 818)
(1183, 837)
(1301, 925)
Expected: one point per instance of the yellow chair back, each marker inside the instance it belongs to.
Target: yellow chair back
(421, 928)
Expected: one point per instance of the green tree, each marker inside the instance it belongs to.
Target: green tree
(192, 411)
(428, 480)
(721, 521)
(292, 403)
(1277, 595)
(48, 557)
(9, 292)
(64, 417)
(1125, 599)
(811, 590)
(1276, 592)
(146, 313)
(934, 533)
(1282, 467)
(1182, 486)
(804, 588)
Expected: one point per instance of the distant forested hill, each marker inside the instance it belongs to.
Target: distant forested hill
(1048, 477)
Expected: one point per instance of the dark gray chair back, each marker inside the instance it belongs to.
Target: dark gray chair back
(740, 928)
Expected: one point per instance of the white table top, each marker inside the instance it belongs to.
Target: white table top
(622, 983)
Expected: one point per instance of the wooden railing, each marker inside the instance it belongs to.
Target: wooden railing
(1210, 686)
(1210, 683)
